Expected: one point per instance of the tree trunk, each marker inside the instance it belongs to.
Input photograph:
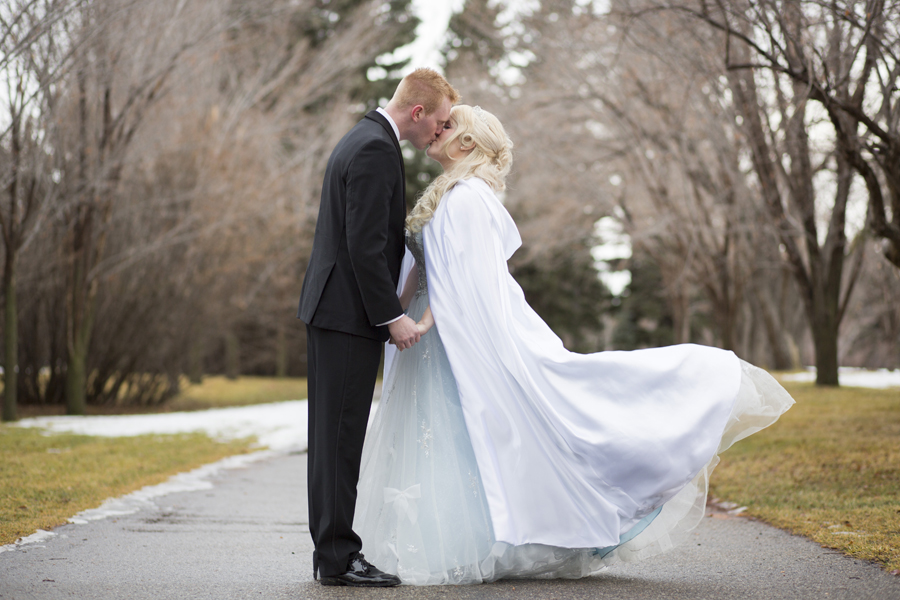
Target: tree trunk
(232, 356)
(727, 321)
(79, 324)
(281, 352)
(195, 358)
(76, 378)
(680, 303)
(820, 282)
(76, 359)
(11, 240)
(826, 310)
(825, 339)
(779, 348)
(10, 340)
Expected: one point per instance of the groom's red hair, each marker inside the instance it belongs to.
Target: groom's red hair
(426, 87)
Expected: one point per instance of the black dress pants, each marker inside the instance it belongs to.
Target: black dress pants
(342, 373)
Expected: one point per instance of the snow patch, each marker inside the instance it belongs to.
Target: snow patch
(853, 377)
(279, 426)
(38, 536)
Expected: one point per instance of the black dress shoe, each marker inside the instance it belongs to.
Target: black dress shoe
(361, 574)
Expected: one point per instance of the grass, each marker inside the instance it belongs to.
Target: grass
(45, 479)
(217, 391)
(828, 470)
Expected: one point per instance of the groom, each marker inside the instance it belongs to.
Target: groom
(350, 306)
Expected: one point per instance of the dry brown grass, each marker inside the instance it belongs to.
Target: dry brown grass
(45, 479)
(217, 391)
(828, 470)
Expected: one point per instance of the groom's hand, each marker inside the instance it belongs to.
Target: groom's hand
(404, 333)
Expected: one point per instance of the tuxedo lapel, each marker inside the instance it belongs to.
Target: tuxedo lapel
(378, 118)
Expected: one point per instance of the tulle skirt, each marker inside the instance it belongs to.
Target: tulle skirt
(421, 510)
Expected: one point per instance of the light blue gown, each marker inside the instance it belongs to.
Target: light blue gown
(422, 509)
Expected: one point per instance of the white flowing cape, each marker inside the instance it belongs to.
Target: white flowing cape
(573, 449)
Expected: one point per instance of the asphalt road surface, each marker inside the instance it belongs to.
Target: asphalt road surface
(247, 537)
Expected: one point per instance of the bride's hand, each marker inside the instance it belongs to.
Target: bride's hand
(426, 323)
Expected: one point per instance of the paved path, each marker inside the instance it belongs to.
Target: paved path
(247, 538)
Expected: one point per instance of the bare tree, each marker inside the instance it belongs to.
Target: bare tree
(31, 56)
(843, 57)
(872, 324)
(126, 54)
(685, 197)
(736, 177)
(187, 141)
(681, 136)
(781, 56)
(774, 118)
(613, 111)
(286, 85)
(699, 221)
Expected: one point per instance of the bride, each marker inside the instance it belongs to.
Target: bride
(495, 452)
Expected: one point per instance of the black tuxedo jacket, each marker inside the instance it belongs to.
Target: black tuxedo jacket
(351, 280)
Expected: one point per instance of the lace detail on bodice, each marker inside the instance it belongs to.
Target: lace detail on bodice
(414, 242)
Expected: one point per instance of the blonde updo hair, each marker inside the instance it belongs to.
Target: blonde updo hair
(490, 160)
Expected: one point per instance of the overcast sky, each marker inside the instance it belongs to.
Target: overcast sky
(435, 15)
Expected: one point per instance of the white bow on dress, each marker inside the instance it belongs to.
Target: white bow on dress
(405, 501)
